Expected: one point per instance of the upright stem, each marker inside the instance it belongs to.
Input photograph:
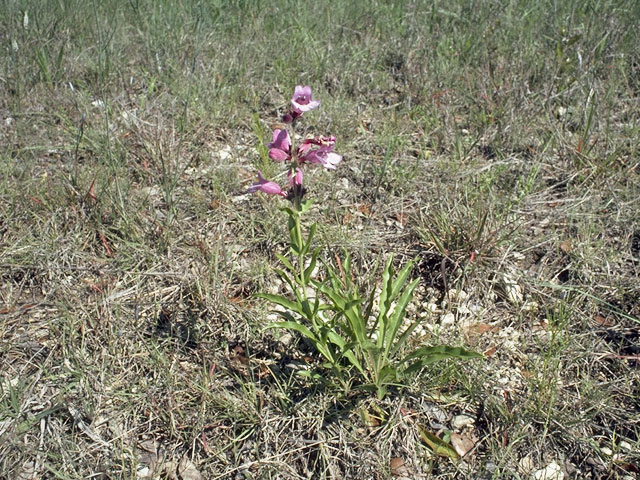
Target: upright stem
(297, 208)
(301, 261)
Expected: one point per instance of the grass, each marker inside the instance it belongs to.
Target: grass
(498, 143)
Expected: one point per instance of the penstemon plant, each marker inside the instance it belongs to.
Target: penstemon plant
(361, 338)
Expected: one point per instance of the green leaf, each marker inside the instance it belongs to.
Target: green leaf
(312, 265)
(428, 355)
(283, 302)
(339, 301)
(439, 447)
(345, 350)
(285, 261)
(320, 346)
(307, 245)
(395, 321)
(350, 308)
(296, 241)
(285, 276)
(346, 267)
(298, 327)
(369, 310)
(403, 338)
(305, 206)
(307, 308)
(400, 279)
(286, 315)
(387, 374)
(356, 323)
(309, 374)
(289, 211)
(384, 300)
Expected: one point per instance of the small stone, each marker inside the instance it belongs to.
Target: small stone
(448, 320)
(517, 256)
(625, 446)
(462, 296)
(475, 308)
(512, 290)
(463, 310)
(143, 472)
(188, 471)
(550, 472)
(461, 421)
(526, 465)
(490, 467)
(225, 153)
(419, 331)
(432, 307)
(606, 451)
(240, 198)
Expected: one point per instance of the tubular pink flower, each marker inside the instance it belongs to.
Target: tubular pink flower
(263, 185)
(280, 147)
(323, 156)
(302, 100)
(328, 142)
(295, 179)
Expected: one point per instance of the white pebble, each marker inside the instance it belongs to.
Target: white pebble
(550, 472)
(461, 421)
(448, 319)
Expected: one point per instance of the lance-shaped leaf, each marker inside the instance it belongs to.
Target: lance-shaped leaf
(312, 265)
(439, 446)
(285, 261)
(384, 301)
(396, 318)
(345, 350)
(427, 355)
(311, 336)
(307, 245)
(283, 302)
(294, 235)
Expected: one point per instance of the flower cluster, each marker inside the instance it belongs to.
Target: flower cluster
(317, 150)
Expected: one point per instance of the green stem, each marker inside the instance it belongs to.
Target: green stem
(301, 261)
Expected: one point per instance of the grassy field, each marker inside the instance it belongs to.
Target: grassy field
(496, 142)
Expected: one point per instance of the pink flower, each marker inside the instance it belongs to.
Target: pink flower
(295, 179)
(263, 185)
(280, 147)
(323, 155)
(302, 100)
(320, 141)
